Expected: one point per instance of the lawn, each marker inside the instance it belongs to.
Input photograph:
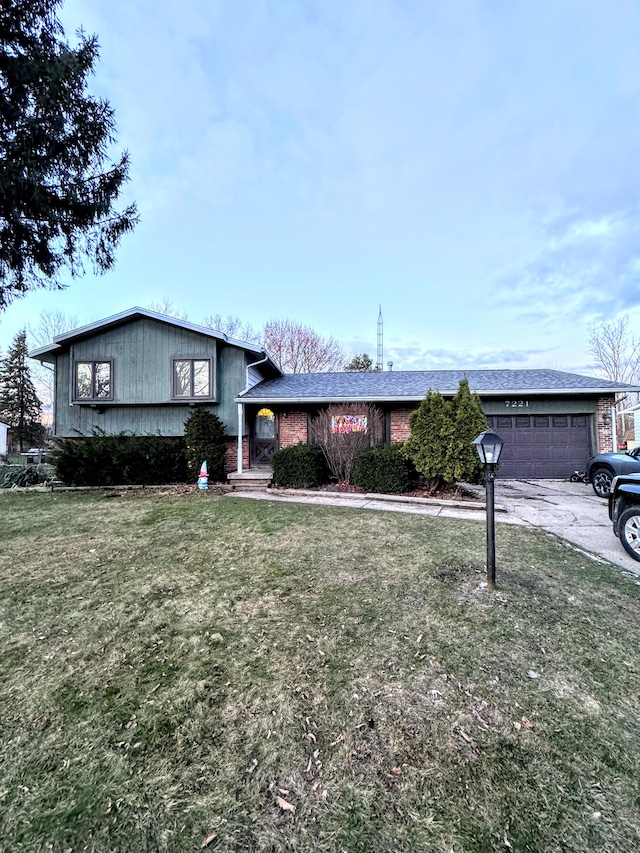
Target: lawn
(182, 671)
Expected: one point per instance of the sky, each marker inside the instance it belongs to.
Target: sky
(470, 166)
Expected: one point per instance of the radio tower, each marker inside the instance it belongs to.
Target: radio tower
(379, 357)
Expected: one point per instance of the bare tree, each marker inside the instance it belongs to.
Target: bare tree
(233, 327)
(165, 306)
(616, 351)
(300, 349)
(49, 325)
(344, 432)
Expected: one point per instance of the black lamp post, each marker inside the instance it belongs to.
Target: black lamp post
(489, 447)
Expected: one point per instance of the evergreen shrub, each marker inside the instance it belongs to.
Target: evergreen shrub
(120, 460)
(384, 469)
(302, 466)
(206, 441)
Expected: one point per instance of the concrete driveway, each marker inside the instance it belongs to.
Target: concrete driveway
(569, 510)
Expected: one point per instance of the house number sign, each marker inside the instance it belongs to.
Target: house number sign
(516, 404)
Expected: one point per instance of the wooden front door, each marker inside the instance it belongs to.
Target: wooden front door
(264, 441)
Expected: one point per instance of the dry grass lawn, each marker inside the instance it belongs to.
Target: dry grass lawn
(180, 671)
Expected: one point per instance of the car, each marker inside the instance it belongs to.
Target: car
(624, 512)
(603, 467)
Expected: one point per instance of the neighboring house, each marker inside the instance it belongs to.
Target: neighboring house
(4, 430)
(142, 372)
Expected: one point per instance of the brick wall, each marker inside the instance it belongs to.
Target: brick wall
(292, 428)
(400, 429)
(231, 455)
(604, 427)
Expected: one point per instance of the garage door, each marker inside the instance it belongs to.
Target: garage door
(542, 446)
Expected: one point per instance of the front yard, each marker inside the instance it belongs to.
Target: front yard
(188, 671)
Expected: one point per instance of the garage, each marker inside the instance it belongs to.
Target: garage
(542, 446)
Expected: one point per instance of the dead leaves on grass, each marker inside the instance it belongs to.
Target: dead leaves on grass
(207, 841)
(285, 805)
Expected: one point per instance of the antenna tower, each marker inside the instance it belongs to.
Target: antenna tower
(379, 357)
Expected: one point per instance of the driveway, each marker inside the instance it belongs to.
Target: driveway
(569, 510)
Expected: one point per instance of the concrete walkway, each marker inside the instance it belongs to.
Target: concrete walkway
(568, 510)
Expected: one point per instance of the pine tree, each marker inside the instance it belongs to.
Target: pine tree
(19, 404)
(57, 184)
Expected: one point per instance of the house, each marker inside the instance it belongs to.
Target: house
(4, 431)
(143, 372)
(551, 421)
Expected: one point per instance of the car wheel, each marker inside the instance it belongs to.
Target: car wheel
(601, 480)
(629, 531)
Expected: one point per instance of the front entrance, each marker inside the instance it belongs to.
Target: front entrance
(263, 442)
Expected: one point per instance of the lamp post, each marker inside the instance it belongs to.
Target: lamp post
(489, 447)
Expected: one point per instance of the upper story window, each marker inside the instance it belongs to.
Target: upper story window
(93, 380)
(192, 378)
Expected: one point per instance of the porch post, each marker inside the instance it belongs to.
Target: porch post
(240, 431)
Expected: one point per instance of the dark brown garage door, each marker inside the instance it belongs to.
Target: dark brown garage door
(542, 446)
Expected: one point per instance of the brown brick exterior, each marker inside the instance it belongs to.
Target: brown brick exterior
(604, 430)
(292, 428)
(400, 429)
(231, 456)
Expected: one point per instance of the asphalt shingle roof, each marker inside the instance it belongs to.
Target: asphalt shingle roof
(414, 384)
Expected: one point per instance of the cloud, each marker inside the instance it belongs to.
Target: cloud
(586, 270)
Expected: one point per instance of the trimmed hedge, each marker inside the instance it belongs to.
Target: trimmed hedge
(302, 466)
(384, 469)
(120, 460)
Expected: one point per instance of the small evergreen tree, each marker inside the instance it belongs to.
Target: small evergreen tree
(206, 441)
(470, 421)
(19, 404)
(442, 432)
(431, 436)
(360, 363)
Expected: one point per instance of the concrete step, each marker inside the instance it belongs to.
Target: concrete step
(254, 478)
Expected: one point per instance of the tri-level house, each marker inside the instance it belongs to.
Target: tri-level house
(143, 372)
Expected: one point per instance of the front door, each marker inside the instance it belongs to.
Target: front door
(263, 442)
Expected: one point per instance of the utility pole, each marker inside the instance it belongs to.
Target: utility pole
(379, 357)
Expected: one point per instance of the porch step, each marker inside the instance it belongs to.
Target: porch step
(254, 478)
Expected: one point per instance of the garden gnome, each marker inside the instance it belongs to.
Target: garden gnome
(203, 477)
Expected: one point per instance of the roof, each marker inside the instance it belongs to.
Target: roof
(62, 341)
(413, 385)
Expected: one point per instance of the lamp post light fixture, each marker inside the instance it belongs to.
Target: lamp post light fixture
(489, 447)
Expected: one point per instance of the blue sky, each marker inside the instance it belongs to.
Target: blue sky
(471, 165)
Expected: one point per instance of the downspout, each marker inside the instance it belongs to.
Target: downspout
(241, 409)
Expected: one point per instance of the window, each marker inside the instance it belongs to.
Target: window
(191, 377)
(93, 380)
(265, 424)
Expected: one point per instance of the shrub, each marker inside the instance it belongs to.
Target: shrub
(205, 441)
(120, 460)
(24, 475)
(384, 469)
(442, 432)
(300, 467)
(344, 432)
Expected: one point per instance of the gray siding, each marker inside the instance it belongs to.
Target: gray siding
(142, 353)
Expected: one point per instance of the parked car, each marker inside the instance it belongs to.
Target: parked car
(603, 467)
(624, 512)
